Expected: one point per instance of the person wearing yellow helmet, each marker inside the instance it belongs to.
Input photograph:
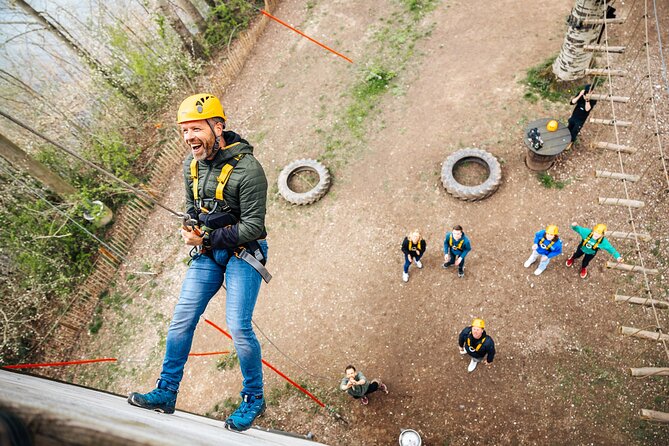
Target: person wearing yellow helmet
(592, 240)
(226, 192)
(547, 244)
(475, 342)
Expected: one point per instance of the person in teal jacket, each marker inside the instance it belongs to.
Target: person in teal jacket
(456, 248)
(547, 244)
(592, 241)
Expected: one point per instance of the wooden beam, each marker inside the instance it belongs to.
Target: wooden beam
(621, 202)
(604, 72)
(615, 147)
(617, 175)
(631, 268)
(654, 415)
(644, 334)
(606, 97)
(646, 301)
(617, 20)
(628, 235)
(604, 48)
(650, 371)
(610, 122)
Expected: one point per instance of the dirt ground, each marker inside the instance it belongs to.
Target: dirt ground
(561, 371)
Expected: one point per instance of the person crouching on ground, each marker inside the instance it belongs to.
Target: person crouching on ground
(547, 244)
(356, 385)
(476, 343)
(456, 247)
(592, 241)
(413, 247)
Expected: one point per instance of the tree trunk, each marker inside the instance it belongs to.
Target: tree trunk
(573, 59)
(82, 52)
(20, 159)
(194, 14)
(188, 41)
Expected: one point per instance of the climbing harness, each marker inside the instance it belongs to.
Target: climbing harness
(222, 179)
(478, 347)
(543, 240)
(586, 242)
(458, 247)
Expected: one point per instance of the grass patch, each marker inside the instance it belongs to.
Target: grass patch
(228, 361)
(542, 84)
(549, 182)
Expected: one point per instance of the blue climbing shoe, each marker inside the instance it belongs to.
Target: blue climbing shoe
(250, 409)
(160, 400)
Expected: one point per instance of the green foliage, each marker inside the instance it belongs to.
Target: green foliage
(541, 83)
(228, 361)
(419, 7)
(227, 19)
(110, 152)
(549, 182)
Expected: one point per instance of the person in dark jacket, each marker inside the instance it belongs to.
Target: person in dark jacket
(581, 111)
(413, 247)
(476, 343)
(226, 190)
(456, 248)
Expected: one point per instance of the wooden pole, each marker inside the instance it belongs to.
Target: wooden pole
(615, 147)
(654, 415)
(628, 235)
(621, 202)
(610, 122)
(631, 268)
(650, 371)
(604, 48)
(604, 21)
(617, 176)
(604, 72)
(606, 97)
(644, 334)
(646, 301)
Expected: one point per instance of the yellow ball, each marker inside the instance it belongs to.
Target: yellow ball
(552, 125)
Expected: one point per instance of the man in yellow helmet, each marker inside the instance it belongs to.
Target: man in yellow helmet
(476, 343)
(592, 241)
(547, 244)
(226, 191)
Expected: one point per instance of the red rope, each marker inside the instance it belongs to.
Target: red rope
(305, 391)
(304, 35)
(209, 353)
(54, 364)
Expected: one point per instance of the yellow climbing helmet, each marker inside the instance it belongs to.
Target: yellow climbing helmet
(480, 323)
(200, 106)
(599, 228)
(552, 125)
(552, 230)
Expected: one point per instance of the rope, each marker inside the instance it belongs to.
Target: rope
(622, 167)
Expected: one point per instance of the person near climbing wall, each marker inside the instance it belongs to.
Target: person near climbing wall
(583, 106)
(226, 194)
(413, 247)
(547, 244)
(475, 342)
(592, 240)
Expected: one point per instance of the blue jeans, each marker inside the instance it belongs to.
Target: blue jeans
(407, 263)
(461, 266)
(203, 280)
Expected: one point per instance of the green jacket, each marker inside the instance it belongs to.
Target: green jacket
(245, 192)
(604, 244)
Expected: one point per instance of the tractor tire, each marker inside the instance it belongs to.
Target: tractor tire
(471, 193)
(311, 196)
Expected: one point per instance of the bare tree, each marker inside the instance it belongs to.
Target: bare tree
(188, 40)
(573, 59)
(194, 14)
(71, 43)
(21, 160)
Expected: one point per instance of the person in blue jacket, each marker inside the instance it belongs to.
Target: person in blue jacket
(456, 248)
(547, 244)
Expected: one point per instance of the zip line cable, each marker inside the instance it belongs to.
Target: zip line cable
(137, 191)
